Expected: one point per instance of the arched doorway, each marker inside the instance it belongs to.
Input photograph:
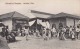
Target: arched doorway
(60, 25)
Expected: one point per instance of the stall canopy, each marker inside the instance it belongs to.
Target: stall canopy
(40, 22)
(31, 22)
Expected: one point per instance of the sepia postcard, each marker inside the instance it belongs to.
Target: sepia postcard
(39, 24)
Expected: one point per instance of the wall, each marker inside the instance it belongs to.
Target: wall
(69, 22)
(8, 22)
(65, 21)
(53, 21)
(56, 21)
(76, 22)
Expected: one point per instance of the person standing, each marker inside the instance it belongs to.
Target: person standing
(73, 34)
(45, 34)
(77, 32)
(26, 32)
(49, 34)
(64, 32)
(67, 33)
(7, 32)
(70, 30)
(53, 32)
(61, 34)
(3, 31)
(23, 32)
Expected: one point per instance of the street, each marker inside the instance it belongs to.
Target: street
(39, 43)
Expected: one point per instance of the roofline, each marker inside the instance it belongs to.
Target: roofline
(6, 13)
(64, 17)
(76, 17)
(34, 11)
(38, 18)
(13, 14)
(21, 14)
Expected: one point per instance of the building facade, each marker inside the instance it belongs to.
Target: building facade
(64, 19)
(14, 20)
(56, 19)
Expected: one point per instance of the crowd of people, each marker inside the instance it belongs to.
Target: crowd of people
(3, 37)
(63, 33)
(9, 35)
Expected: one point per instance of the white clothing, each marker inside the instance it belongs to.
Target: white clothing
(53, 30)
(70, 29)
(64, 29)
(73, 34)
(26, 31)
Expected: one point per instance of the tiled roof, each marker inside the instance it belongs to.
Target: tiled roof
(40, 16)
(65, 15)
(13, 15)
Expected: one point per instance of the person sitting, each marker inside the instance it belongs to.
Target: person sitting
(3, 41)
(11, 37)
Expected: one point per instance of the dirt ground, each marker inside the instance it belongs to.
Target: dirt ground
(39, 43)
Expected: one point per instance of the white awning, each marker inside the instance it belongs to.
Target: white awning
(45, 24)
(31, 22)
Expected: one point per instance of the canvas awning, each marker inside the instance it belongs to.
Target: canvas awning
(31, 22)
(40, 22)
(44, 24)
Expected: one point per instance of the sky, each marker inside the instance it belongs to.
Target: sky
(48, 6)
